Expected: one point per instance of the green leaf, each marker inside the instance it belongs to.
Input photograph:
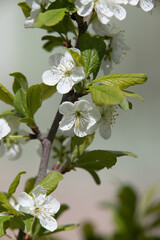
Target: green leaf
(29, 184)
(5, 95)
(87, 41)
(20, 103)
(20, 81)
(66, 227)
(29, 121)
(34, 99)
(91, 62)
(94, 175)
(52, 42)
(4, 224)
(7, 205)
(122, 81)
(96, 160)
(14, 185)
(51, 181)
(131, 94)
(47, 91)
(50, 17)
(79, 144)
(9, 112)
(104, 95)
(25, 8)
(123, 153)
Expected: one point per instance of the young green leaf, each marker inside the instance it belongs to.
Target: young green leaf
(91, 61)
(79, 145)
(104, 95)
(87, 41)
(5, 95)
(47, 91)
(4, 224)
(96, 160)
(50, 17)
(95, 176)
(51, 181)
(25, 8)
(52, 42)
(29, 184)
(14, 185)
(122, 81)
(20, 103)
(29, 121)
(66, 227)
(131, 94)
(34, 99)
(8, 206)
(20, 81)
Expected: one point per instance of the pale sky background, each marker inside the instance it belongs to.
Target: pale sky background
(136, 131)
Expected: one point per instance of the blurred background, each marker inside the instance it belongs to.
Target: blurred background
(137, 131)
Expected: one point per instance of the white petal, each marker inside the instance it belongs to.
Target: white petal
(83, 105)
(50, 79)
(25, 200)
(48, 222)
(51, 205)
(119, 12)
(102, 18)
(39, 190)
(55, 59)
(104, 129)
(77, 74)
(65, 85)
(84, 10)
(66, 123)
(66, 107)
(28, 22)
(4, 128)
(80, 131)
(146, 5)
(133, 2)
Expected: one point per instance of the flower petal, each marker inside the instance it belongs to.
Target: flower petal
(104, 129)
(4, 128)
(66, 107)
(84, 10)
(77, 74)
(25, 200)
(51, 205)
(65, 85)
(48, 222)
(119, 12)
(66, 123)
(50, 78)
(55, 59)
(146, 5)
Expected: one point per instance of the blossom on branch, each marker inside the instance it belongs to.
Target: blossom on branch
(78, 117)
(36, 7)
(105, 9)
(4, 128)
(41, 206)
(108, 114)
(115, 44)
(64, 72)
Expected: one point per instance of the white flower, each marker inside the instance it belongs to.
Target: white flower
(35, 6)
(146, 5)
(105, 9)
(108, 114)
(4, 128)
(14, 152)
(79, 117)
(40, 206)
(115, 44)
(64, 72)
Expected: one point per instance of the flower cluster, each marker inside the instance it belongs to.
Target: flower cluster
(36, 7)
(41, 206)
(106, 9)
